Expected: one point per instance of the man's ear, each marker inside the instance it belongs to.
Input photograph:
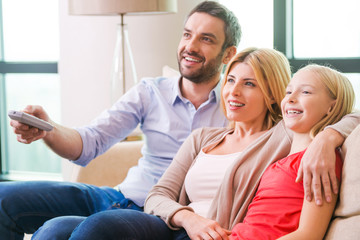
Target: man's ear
(228, 54)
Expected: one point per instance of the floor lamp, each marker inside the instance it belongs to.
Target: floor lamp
(121, 8)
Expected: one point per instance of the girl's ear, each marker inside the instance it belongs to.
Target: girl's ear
(331, 107)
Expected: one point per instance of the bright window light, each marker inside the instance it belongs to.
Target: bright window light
(326, 28)
(256, 21)
(31, 31)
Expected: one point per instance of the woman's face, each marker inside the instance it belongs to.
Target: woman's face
(306, 102)
(243, 98)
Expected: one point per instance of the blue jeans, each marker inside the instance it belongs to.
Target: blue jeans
(63, 210)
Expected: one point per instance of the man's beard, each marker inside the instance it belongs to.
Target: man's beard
(205, 73)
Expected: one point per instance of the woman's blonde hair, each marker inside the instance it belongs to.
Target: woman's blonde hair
(339, 88)
(272, 72)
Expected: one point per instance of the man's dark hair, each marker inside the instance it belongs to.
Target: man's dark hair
(232, 27)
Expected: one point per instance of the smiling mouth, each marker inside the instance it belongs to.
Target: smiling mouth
(234, 104)
(192, 59)
(293, 112)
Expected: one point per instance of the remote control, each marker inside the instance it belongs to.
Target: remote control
(30, 120)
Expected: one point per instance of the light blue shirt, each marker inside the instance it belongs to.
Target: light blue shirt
(166, 119)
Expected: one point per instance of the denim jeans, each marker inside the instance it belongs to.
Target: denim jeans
(26, 206)
(63, 210)
(120, 224)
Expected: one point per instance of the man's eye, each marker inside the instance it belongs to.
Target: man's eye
(206, 39)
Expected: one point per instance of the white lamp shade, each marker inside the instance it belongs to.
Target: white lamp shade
(117, 7)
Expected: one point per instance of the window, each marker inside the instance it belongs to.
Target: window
(256, 21)
(326, 28)
(28, 75)
(323, 32)
(306, 31)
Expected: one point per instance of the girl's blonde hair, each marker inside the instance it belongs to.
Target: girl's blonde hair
(272, 72)
(339, 88)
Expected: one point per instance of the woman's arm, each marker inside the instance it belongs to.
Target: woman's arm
(317, 168)
(168, 196)
(198, 227)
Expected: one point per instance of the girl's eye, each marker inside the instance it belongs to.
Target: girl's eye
(288, 92)
(306, 92)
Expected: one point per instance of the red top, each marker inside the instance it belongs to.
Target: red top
(276, 207)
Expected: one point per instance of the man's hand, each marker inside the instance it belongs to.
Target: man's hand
(200, 228)
(317, 168)
(26, 134)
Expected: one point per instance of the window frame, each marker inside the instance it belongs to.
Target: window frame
(283, 41)
(14, 67)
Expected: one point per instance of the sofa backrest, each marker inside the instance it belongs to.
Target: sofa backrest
(346, 222)
(110, 168)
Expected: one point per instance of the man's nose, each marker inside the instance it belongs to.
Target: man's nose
(192, 45)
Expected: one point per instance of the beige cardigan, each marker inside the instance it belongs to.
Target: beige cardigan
(240, 182)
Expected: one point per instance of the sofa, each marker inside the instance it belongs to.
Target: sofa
(346, 222)
(111, 167)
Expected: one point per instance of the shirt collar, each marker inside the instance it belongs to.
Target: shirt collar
(214, 95)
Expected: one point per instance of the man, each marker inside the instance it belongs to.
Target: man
(167, 111)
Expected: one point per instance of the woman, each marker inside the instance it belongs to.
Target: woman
(252, 90)
(317, 96)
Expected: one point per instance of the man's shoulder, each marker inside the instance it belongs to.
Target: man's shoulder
(160, 82)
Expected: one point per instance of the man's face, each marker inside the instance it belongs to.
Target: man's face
(200, 54)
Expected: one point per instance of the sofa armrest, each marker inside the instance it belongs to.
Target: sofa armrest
(110, 168)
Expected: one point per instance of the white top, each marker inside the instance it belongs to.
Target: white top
(203, 179)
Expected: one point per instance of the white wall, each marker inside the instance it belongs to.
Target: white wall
(86, 52)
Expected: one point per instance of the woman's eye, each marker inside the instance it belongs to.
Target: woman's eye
(250, 84)
(288, 92)
(306, 92)
(230, 80)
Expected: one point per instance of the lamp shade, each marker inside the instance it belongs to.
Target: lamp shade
(118, 7)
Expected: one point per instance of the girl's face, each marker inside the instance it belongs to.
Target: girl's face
(306, 102)
(244, 101)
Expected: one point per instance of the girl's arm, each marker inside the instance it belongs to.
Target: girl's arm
(314, 220)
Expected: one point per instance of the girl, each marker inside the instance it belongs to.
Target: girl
(316, 96)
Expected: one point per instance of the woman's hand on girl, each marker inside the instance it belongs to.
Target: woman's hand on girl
(317, 169)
